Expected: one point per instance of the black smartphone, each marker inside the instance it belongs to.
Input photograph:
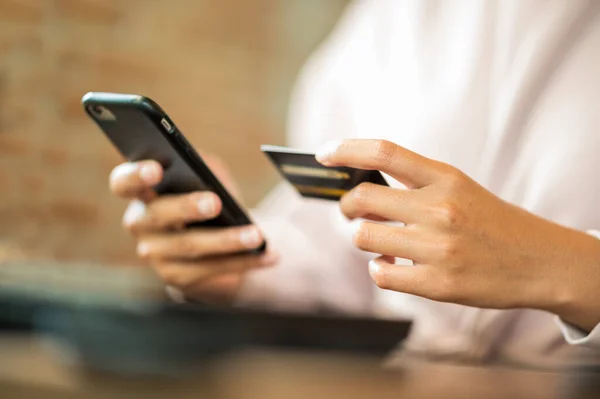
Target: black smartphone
(141, 130)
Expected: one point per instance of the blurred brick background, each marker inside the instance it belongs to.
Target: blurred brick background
(223, 69)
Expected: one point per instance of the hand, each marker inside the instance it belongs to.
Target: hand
(467, 245)
(203, 264)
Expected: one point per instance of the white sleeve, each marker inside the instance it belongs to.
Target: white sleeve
(574, 335)
(319, 267)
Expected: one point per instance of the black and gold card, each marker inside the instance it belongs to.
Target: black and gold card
(314, 180)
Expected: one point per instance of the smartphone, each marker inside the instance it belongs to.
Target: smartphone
(141, 130)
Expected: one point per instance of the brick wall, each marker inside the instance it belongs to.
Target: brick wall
(222, 69)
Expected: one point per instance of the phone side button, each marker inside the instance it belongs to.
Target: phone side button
(194, 157)
(182, 141)
(187, 143)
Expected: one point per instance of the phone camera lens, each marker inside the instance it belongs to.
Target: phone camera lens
(96, 109)
(101, 113)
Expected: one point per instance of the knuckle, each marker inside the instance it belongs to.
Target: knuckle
(169, 211)
(449, 249)
(363, 236)
(384, 151)
(180, 208)
(449, 213)
(453, 178)
(359, 196)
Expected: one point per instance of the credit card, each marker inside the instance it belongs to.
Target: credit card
(313, 180)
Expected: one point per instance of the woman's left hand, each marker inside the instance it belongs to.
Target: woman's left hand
(468, 246)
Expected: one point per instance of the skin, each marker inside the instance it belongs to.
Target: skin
(203, 264)
(467, 245)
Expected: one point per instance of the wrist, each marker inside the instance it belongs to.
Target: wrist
(574, 290)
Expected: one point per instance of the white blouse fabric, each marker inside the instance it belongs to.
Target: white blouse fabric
(508, 91)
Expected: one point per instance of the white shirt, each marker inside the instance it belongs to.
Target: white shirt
(508, 91)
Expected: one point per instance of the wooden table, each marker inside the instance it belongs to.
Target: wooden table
(28, 369)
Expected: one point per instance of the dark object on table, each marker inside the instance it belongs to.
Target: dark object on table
(115, 319)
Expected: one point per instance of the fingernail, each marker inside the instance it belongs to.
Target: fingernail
(250, 237)
(206, 205)
(373, 267)
(271, 257)
(149, 174)
(143, 249)
(135, 212)
(326, 151)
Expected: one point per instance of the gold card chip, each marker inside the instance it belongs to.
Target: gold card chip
(320, 191)
(297, 170)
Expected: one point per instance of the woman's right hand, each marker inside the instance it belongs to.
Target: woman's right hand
(203, 264)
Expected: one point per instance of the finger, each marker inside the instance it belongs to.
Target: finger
(389, 276)
(170, 211)
(374, 201)
(374, 218)
(410, 168)
(184, 275)
(220, 289)
(400, 242)
(135, 179)
(197, 243)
